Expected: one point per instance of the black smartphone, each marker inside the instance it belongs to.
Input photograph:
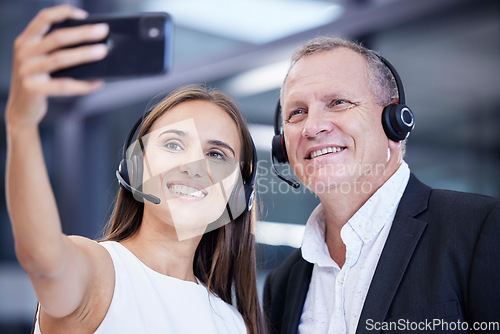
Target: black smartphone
(138, 45)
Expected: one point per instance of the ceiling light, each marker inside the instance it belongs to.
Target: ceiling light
(258, 80)
(252, 21)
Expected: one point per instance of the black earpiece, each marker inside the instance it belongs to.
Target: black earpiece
(130, 175)
(130, 169)
(278, 148)
(278, 145)
(243, 194)
(397, 120)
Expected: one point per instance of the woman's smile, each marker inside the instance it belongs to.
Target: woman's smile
(187, 191)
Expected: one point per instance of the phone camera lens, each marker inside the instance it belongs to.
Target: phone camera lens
(151, 28)
(154, 32)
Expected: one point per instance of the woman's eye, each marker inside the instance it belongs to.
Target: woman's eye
(173, 145)
(216, 155)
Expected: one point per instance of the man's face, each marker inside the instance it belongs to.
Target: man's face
(332, 124)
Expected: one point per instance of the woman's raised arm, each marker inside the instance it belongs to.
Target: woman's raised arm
(60, 268)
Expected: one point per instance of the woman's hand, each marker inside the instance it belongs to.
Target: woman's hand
(37, 54)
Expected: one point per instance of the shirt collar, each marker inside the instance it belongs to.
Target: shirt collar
(314, 248)
(367, 222)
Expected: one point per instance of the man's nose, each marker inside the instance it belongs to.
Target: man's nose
(316, 123)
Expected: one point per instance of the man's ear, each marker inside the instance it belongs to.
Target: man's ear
(394, 145)
(394, 101)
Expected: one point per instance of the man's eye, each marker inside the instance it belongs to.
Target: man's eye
(343, 103)
(296, 113)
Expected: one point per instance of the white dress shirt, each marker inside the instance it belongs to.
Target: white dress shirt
(336, 295)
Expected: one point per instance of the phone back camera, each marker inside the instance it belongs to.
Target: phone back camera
(154, 32)
(151, 28)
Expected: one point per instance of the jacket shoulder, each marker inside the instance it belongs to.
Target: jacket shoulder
(280, 274)
(421, 200)
(462, 204)
(280, 286)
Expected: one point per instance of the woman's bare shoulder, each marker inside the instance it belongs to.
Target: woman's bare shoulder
(98, 296)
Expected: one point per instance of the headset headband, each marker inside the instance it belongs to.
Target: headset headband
(399, 82)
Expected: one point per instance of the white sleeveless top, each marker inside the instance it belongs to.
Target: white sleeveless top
(145, 301)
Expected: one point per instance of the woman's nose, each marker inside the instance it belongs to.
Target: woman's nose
(196, 168)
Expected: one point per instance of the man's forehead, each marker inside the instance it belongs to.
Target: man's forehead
(326, 67)
(337, 59)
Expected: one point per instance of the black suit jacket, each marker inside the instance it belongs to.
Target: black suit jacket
(441, 260)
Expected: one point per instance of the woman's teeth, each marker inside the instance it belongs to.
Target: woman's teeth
(186, 191)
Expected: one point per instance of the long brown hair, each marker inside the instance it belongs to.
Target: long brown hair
(225, 257)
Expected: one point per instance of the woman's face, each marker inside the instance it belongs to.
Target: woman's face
(191, 162)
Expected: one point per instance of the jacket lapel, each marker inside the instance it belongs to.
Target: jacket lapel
(298, 284)
(398, 250)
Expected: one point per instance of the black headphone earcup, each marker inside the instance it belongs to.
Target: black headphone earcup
(237, 201)
(249, 196)
(398, 121)
(137, 170)
(123, 169)
(278, 148)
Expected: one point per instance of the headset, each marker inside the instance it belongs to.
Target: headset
(240, 200)
(397, 120)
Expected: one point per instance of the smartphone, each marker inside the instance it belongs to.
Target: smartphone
(138, 45)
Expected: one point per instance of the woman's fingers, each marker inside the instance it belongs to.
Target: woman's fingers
(63, 58)
(37, 54)
(62, 86)
(66, 37)
(34, 42)
(42, 22)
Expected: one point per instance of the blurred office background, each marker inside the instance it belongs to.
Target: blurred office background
(446, 51)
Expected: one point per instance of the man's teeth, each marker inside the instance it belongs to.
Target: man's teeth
(325, 150)
(186, 191)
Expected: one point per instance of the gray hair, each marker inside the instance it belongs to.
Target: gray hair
(381, 81)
